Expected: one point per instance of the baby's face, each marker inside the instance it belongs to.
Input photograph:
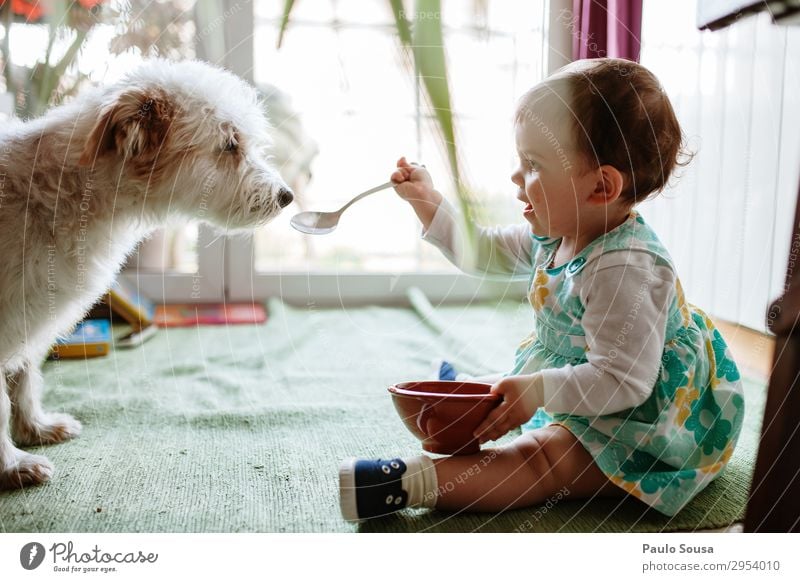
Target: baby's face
(550, 176)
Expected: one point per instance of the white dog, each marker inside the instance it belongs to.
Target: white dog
(81, 186)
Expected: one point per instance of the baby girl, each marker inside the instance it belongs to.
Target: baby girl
(636, 390)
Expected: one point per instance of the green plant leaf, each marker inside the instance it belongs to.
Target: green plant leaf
(429, 57)
(287, 10)
(52, 75)
(58, 15)
(431, 65)
(400, 21)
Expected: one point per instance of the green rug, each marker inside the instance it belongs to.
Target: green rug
(242, 428)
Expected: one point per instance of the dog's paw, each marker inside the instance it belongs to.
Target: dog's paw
(27, 470)
(52, 428)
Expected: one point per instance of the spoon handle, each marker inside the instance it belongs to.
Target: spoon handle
(367, 193)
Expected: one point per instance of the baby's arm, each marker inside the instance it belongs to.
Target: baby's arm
(502, 251)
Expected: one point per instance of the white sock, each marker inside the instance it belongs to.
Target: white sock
(420, 482)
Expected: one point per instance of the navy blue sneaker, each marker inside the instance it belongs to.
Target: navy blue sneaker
(371, 488)
(443, 370)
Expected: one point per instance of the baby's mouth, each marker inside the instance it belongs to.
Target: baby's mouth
(528, 210)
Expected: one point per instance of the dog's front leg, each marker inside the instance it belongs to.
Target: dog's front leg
(17, 468)
(30, 425)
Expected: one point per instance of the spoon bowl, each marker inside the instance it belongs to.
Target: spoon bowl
(315, 222)
(326, 222)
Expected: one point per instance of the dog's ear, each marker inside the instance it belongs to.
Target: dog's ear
(135, 126)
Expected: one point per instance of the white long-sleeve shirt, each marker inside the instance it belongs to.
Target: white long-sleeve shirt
(624, 357)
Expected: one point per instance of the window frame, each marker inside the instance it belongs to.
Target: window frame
(207, 285)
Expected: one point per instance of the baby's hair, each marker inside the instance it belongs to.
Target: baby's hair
(620, 116)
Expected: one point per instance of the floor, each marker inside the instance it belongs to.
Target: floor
(752, 350)
(242, 428)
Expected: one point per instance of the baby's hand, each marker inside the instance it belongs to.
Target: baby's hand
(412, 182)
(522, 395)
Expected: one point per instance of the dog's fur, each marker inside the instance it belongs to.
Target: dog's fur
(82, 185)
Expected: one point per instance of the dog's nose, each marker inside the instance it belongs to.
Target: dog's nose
(285, 197)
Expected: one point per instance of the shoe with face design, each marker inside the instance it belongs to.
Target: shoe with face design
(371, 488)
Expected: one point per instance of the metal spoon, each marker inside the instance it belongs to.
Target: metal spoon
(326, 222)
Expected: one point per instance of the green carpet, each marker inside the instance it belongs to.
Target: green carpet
(242, 428)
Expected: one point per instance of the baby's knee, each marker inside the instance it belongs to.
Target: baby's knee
(537, 452)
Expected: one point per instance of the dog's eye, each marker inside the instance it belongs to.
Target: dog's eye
(231, 146)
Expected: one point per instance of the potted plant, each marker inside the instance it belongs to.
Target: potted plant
(35, 87)
(149, 27)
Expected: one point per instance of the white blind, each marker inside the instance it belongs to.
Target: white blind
(727, 221)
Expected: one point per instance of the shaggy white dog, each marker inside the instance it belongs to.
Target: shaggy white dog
(82, 185)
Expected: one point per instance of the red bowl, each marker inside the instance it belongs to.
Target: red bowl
(443, 415)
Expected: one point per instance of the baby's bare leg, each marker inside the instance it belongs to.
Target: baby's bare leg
(526, 472)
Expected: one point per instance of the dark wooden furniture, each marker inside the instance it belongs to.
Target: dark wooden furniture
(774, 504)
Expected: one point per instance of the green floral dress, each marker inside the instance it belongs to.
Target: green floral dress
(669, 448)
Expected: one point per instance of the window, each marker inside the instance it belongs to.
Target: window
(342, 68)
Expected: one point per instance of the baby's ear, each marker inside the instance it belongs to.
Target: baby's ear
(609, 186)
(134, 126)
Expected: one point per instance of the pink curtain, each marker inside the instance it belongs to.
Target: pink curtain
(606, 28)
